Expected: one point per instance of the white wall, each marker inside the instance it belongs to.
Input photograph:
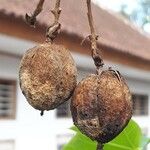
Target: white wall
(141, 87)
(31, 131)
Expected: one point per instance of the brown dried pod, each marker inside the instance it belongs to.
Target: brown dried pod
(47, 76)
(101, 105)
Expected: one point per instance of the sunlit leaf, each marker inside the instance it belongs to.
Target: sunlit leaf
(130, 139)
(80, 142)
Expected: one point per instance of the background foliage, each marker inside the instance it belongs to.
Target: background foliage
(140, 14)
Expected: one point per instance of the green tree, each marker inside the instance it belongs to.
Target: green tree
(140, 15)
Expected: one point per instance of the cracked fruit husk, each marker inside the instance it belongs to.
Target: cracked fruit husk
(47, 76)
(101, 105)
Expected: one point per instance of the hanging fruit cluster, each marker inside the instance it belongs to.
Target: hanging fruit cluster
(101, 103)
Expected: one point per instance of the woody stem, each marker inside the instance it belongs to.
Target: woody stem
(99, 146)
(31, 20)
(57, 11)
(93, 38)
(54, 29)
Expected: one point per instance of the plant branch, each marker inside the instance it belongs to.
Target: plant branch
(54, 29)
(31, 20)
(99, 146)
(93, 38)
(57, 11)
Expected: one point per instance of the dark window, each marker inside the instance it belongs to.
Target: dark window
(140, 105)
(63, 110)
(60, 146)
(7, 99)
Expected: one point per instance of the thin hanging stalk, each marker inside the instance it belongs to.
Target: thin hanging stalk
(99, 146)
(57, 11)
(31, 20)
(54, 29)
(93, 38)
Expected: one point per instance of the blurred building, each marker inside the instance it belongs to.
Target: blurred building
(123, 47)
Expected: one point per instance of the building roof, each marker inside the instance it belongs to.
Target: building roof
(114, 32)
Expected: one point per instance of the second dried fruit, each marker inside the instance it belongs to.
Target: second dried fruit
(101, 106)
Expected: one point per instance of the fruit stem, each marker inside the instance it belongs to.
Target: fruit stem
(93, 38)
(54, 29)
(42, 113)
(100, 146)
(31, 20)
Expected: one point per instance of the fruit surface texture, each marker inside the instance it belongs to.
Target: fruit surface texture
(47, 76)
(101, 106)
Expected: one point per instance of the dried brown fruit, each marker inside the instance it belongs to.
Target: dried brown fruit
(47, 76)
(101, 106)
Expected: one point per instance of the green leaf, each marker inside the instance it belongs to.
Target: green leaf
(80, 142)
(129, 139)
(74, 128)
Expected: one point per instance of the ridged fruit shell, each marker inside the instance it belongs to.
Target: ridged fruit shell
(47, 76)
(101, 106)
